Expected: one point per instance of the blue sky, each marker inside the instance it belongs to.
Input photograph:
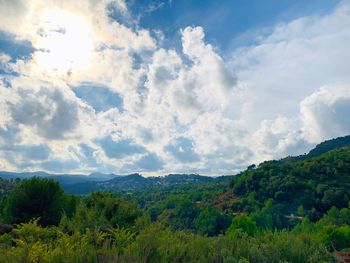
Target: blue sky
(172, 86)
(227, 23)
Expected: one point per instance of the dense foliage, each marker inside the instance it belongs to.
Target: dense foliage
(306, 187)
(292, 210)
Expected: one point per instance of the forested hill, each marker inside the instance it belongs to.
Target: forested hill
(330, 145)
(327, 146)
(307, 187)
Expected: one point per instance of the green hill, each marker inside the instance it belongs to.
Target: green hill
(329, 145)
(312, 185)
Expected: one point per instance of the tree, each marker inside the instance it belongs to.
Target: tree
(245, 224)
(210, 222)
(33, 198)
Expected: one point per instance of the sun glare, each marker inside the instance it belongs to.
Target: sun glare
(64, 42)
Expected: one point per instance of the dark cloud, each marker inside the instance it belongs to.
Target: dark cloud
(182, 149)
(49, 112)
(99, 97)
(119, 149)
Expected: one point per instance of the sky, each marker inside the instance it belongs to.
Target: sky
(169, 86)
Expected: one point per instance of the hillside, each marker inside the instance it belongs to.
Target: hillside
(309, 187)
(329, 145)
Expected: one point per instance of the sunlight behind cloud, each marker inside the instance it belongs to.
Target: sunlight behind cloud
(63, 41)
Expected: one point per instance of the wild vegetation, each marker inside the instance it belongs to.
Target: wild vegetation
(292, 210)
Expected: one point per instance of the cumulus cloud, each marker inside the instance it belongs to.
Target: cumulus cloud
(278, 138)
(325, 113)
(322, 116)
(189, 90)
(214, 80)
(48, 112)
(293, 61)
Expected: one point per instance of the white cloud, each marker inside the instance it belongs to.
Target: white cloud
(48, 112)
(325, 113)
(278, 138)
(292, 62)
(189, 90)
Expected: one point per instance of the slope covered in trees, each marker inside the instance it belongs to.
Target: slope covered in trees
(309, 187)
(329, 145)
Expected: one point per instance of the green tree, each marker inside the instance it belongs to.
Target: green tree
(210, 222)
(33, 198)
(243, 223)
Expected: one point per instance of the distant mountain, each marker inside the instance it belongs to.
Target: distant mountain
(84, 184)
(135, 182)
(61, 178)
